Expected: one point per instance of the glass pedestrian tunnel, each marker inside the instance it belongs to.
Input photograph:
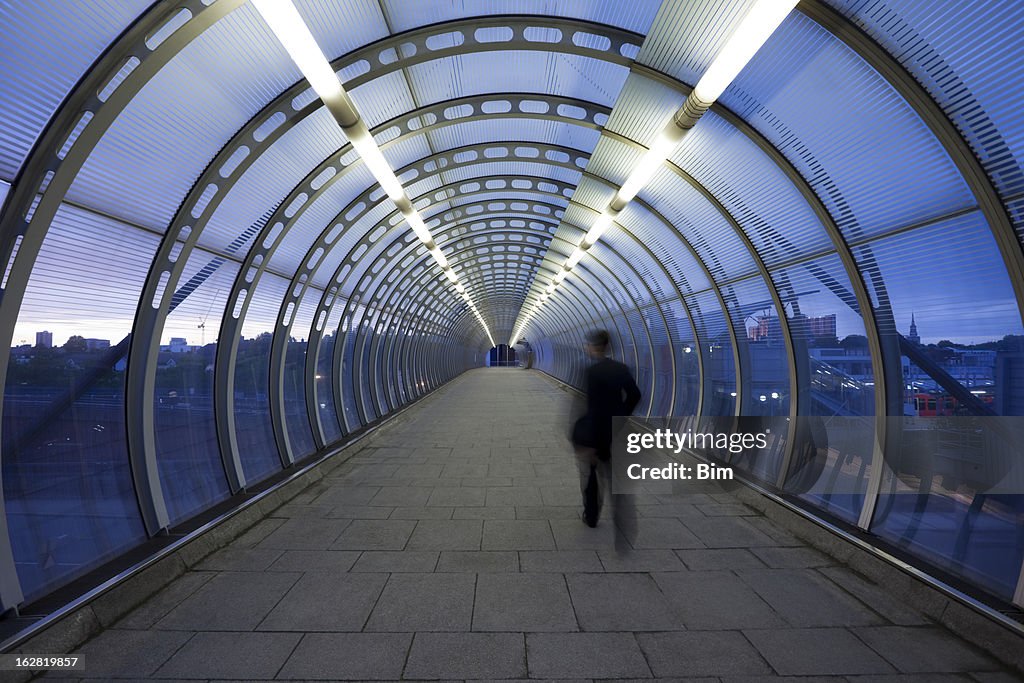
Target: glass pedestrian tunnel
(295, 294)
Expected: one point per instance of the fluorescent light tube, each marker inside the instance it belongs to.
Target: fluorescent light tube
(418, 226)
(439, 257)
(754, 29)
(574, 258)
(450, 274)
(649, 164)
(374, 159)
(560, 275)
(292, 31)
(598, 228)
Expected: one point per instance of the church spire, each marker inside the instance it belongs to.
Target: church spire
(913, 336)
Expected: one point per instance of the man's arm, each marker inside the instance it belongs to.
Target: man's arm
(632, 392)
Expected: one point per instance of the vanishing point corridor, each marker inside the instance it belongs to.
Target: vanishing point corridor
(449, 546)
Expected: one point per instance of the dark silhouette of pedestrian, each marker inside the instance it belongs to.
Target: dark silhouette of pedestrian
(610, 392)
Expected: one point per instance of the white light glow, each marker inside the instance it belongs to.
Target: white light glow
(574, 258)
(450, 274)
(551, 288)
(439, 257)
(649, 163)
(374, 159)
(292, 31)
(560, 276)
(597, 229)
(755, 28)
(418, 226)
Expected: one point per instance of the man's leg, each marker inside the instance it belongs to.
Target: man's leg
(591, 490)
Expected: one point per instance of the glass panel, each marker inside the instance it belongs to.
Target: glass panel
(954, 316)
(68, 489)
(191, 469)
(256, 443)
(296, 419)
(970, 68)
(836, 379)
(873, 172)
(329, 418)
(719, 366)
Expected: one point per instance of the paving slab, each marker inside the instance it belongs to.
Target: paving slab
(231, 601)
(230, 655)
(585, 655)
(467, 656)
(523, 602)
(621, 602)
(348, 656)
(924, 650)
(701, 653)
(817, 651)
(326, 601)
(425, 602)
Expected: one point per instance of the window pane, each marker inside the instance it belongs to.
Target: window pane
(68, 488)
(191, 469)
(836, 428)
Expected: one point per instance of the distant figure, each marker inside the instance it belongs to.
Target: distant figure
(610, 392)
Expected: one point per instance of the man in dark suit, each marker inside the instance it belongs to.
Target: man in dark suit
(610, 392)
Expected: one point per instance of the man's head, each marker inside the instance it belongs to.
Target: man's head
(597, 343)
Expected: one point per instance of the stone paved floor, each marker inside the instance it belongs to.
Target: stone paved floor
(451, 548)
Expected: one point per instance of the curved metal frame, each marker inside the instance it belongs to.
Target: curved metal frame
(24, 242)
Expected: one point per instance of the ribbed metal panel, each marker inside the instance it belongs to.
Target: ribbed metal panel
(950, 277)
(269, 180)
(593, 194)
(774, 215)
(634, 16)
(651, 277)
(184, 114)
(383, 98)
(340, 26)
(875, 171)
(667, 248)
(34, 76)
(517, 71)
(643, 108)
(972, 68)
(707, 231)
(613, 159)
(504, 130)
(687, 34)
(86, 280)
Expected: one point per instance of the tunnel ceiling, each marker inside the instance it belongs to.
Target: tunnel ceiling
(500, 115)
(168, 173)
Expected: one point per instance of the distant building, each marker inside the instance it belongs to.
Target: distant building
(823, 326)
(913, 336)
(769, 328)
(44, 339)
(178, 345)
(97, 344)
